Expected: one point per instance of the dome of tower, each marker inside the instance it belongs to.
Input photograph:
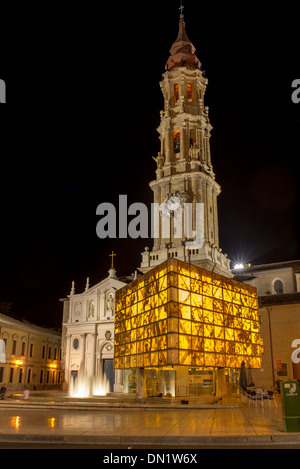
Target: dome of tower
(182, 51)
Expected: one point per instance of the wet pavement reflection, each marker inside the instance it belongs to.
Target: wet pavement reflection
(135, 422)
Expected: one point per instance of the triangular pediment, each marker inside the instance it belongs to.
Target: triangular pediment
(102, 286)
(105, 285)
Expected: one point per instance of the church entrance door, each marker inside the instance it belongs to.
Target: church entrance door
(109, 372)
(74, 376)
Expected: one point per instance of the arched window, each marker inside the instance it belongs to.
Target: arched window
(189, 92)
(176, 138)
(176, 92)
(278, 287)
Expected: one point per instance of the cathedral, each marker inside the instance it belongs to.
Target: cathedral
(184, 324)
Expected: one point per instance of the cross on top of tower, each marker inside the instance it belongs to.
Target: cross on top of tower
(181, 8)
(112, 255)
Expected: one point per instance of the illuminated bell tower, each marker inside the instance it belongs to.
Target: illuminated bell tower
(184, 172)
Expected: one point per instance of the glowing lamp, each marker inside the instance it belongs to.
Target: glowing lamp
(239, 266)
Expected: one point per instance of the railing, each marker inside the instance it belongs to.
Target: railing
(194, 390)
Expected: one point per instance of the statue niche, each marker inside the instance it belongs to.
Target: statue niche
(160, 160)
(110, 303)
(91, 309)
(176, 141)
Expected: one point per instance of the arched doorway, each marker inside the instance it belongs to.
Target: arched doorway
(108, 370)
(106, 357)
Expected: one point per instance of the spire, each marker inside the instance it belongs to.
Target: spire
(182, 51)
(72, 292)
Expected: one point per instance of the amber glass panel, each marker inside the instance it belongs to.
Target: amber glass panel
(197, 315)
(185, 357)
(197, 359)
(209, 345)
(196, 300)
(197, 328)
(184, 312)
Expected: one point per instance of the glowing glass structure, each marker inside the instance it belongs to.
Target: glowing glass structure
(179, 314)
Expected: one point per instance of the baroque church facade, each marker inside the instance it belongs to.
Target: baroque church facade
(88, 337)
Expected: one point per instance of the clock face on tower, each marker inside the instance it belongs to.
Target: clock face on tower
(173, 203)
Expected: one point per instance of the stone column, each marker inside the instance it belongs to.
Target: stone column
(215, 216)
(156, 218)
(210, 227)
(208, 149)
(168, 144)
(183, 129)
(297, 282)
(206, 224)
(82, 350)
(221, 388)
(93, 358)
(181, 381)
(196, 198)
(201, 146)
(118, 386)
(67, 363)
(101, 313)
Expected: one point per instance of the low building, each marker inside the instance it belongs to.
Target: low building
(277, 278)
(280, 326)
(278, 288)
(30, 356)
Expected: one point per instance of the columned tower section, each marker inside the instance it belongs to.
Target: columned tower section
(184, 175)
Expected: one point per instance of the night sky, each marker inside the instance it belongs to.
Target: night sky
(80, 128)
